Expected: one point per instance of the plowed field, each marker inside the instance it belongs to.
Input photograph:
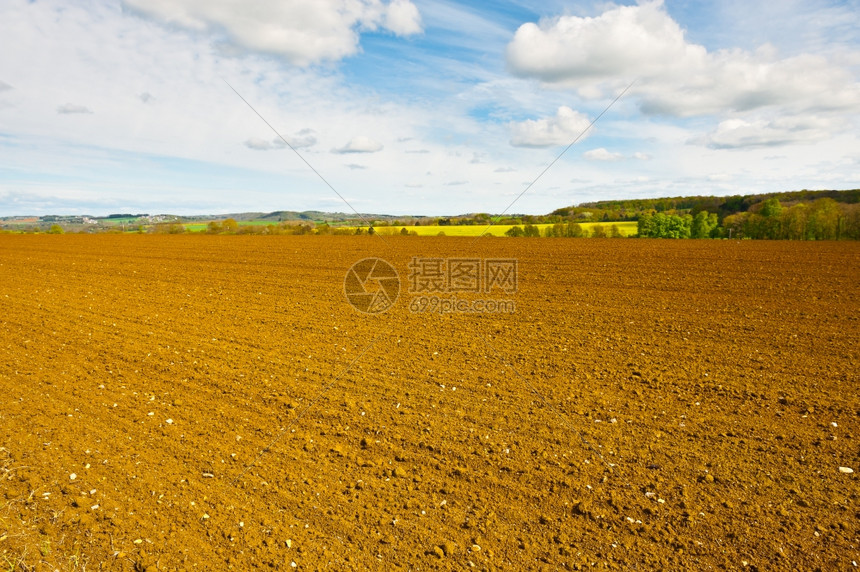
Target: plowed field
(182, 402)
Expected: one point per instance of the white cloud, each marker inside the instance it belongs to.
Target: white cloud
(70, 108)
(145, 97)
(302, 32)
(304, 138)
(360, 144)
(675, 77)
(560, 129)
(259, 144)
(601, 154)
(625, 40)
(737, 133)
(4, 86)
(402, 18)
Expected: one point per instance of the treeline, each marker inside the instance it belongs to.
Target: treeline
(821, 219)
(634, 209)
(723, 206)
(231, 226)
(566, 230)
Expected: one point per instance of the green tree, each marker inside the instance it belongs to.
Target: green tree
(554, 231)
(662, 225)
(531, 230)
(704, 224)
(598, 231)
(645, 226)
(614, 232)
(735, 225)
(514, 231)
(56, 229)
(573, 230)
(794, 221)
(823, 221)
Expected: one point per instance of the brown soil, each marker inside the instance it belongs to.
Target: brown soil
(650, 405)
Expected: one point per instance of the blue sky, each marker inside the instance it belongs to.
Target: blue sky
(419, 106)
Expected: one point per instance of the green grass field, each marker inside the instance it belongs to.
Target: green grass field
(201, 226)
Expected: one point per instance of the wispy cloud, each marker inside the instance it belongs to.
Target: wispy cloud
(360, 144)
(603, 154)
(71, 108)
(304, 138)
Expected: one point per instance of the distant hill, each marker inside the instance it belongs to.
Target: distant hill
(292, 216)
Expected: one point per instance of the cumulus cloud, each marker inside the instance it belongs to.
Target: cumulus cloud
(70, 108)
(641, 39)
(560, 129)
(738, 133)
(676, 77)
(302, 32)
(402, 18)
(360, 144)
